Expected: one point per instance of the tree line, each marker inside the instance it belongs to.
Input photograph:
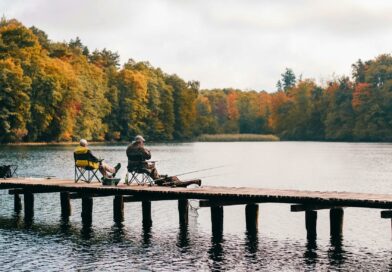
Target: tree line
(60, 91)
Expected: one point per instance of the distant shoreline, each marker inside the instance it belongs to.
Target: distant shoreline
(202, 138)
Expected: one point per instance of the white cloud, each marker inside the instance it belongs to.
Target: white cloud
(243, 44)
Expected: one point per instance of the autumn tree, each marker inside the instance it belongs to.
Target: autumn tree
(14, 101)
(339, 120)
(184, 97)
(132, 89)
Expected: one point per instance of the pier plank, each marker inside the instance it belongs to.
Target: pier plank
(213, 193)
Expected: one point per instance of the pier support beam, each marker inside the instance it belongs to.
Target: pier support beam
(17, 203)
(217, 220)
(29, 206)
(87, 210)
(118, 209)
(146, 210)
(65, 202)
(388, 215)
(336, 222)
(311, 224)
(183, 210)
(252, 217)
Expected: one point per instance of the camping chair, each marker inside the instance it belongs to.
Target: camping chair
(8, 171)
(139, 173)
(86, 169)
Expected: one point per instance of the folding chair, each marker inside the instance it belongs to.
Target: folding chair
(8, 171)
(86, 169)
(86, 173)
(139, 174)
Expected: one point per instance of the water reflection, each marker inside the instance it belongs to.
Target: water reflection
(183, 236)
(310, 255)
(16, 220)
(216, 253)
(118, 233)
(65, 226)
(146, 236)
(336, 253)
(28, 221)
(252, 241)
(87, 232)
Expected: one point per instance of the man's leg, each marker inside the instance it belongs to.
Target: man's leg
(175, 181)
(153, 172)
(103, 171)
(106, 168)
(186, 183)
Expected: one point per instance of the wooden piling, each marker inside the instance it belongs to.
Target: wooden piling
(118, 208)
(146, 211)
(87, 210)
(336, 221)
(65, 205)
(183, 211)
(252, 217)
(17, 203)
(311, 224)
(29, 205)
(217, 220)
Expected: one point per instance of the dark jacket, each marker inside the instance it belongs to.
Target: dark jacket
(137, 155)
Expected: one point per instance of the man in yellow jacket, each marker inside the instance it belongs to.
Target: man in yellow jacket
(84, 158)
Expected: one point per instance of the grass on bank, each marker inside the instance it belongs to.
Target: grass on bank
(237, 138)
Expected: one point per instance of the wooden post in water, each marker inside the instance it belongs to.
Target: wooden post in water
(252, 217)
(336, 221)
(17, 203)
(183, 210)
(217, 220)
(118, 208)
(311, 223)
(29, 205)
(87, 210)
(146, 210)
(65, 202)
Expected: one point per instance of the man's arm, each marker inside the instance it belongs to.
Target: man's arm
(92, 157)
(146, 153)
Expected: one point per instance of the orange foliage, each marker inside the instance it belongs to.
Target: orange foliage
(264, 103)
(332, 88)
(277, 100)
(232, 110)
(361, 91)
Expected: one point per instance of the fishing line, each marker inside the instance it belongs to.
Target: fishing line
(196, 171)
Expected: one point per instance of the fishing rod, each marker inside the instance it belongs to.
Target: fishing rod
(204, 177)
(196, 171)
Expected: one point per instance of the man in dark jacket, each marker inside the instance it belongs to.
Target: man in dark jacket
(137, 155)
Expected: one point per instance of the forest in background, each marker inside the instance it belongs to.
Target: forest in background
(61, 91)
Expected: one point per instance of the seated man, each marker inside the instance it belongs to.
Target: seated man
(138, 154)
(106, 170)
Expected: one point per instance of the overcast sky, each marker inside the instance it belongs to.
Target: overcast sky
(243, 44)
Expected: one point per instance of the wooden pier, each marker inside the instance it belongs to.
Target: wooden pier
(213, 197)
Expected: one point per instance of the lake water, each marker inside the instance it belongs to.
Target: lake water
(49, 244)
